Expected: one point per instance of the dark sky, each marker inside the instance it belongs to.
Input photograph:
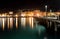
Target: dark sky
(13, 5)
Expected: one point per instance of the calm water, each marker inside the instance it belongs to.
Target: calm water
(22, 28)
(16, 22)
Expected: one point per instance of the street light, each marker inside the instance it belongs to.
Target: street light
(46, 9)
(50, 10)
(11, 12)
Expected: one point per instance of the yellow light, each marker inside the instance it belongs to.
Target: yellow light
(38, 15)
(11, 22)
(3, 23)
(3, 15)
(23, 22)
(11, 12)
(28, 14)
(16, 15)
(22, 14)
(31, 22)
(16, 22)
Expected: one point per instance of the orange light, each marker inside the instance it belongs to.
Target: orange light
(3, 24)
(3, 15)
(22, 14)
(11, 12)
(37, 15)
(16, 15)
(31, 22)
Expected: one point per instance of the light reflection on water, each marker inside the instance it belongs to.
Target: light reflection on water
(31, 22)
(10, 22)
(16, 22)
(3, 23)
(23, 22)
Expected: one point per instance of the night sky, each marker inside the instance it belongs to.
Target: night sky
(29, 4)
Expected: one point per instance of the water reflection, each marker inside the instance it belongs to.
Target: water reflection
(3, 23)
(16, 22)
(23, 22)
(9, 22)
(0, 22)
(31, 23)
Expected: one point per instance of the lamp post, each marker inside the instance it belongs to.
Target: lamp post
(50, 12)
(50, 23)
(46, 9)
